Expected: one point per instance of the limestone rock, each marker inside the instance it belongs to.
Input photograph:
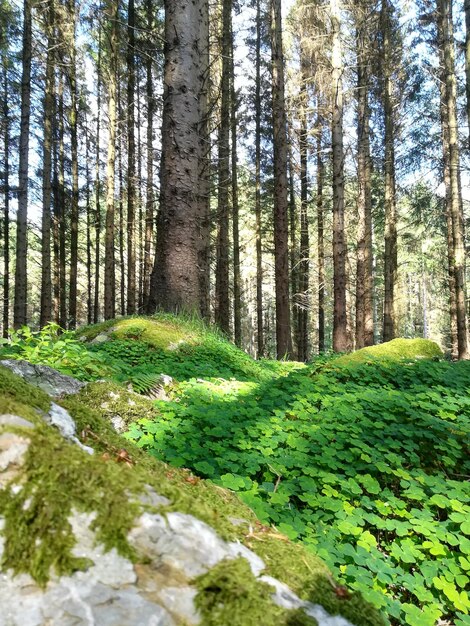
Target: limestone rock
(61, 419)
(49, 380)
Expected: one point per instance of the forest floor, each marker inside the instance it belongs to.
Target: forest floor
(363, 458)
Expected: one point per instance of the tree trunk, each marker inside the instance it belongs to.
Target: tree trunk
(281, 231)
(89, 263)
(448, 210)
(122, 265)
(259, 251)
(467, 60)
(446, 44)
(364, 275)
(109, 260)
(304, 261)
(20, 304)
(46, 279)
(96, 299)
(175, 283)
(131, 277)
(149, 201)
(340, 326)
(74, 156)
(222, 299)
(6, 211)
(320, 236)
(204, 167)
(390, 256)
(237, 298)
(60, 209)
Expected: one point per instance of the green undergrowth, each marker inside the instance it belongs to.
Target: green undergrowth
(361, 459)
(58, 479)
(365, 463)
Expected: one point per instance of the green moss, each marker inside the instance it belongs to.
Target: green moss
(110, 399)
(230, 594)
(57, 478)
(394, 350)
(310, 579)
(14, 389)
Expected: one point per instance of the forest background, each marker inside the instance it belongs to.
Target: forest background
(333, 172)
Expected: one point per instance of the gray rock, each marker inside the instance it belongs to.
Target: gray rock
(62, 420)
(49, 380)
(13, 447)
(286, 598)
(101, 338)
(14, 420)
(152, 498)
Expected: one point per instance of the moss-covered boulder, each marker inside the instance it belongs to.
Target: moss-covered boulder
(118, 537)
(395, 350)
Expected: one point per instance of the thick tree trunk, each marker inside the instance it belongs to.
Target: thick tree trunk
(6, 209)
(222, 297)
(21, 295)
(131, 256)
(259, 250)
(175, 283)
(121, 236)
(364, 275)
(340, 326)
(109, 260)
(281, 230)
(390, 255)
(46, 277)
(446, 44)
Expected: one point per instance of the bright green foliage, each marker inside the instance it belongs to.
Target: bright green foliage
(55, 348)
(230, 594)
(362, 462)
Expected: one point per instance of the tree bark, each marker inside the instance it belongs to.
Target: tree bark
(175, 282)
(96, 297)
(20, 303)
(46, 278)
(237, 297)
(304, 261)
(467, 60)
(364, 274)
(340, 326)
(6, 210)
(222, 298)
(149, 201)
(390, 255)
(258, 234)
(204, 253)
(281, 230)
(109, 260)
(320, 236)
(446, 45)
(131, 256)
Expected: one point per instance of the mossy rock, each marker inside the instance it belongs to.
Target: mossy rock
(392, 351)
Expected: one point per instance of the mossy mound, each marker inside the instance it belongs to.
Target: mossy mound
(395, 350)
(58, 478)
